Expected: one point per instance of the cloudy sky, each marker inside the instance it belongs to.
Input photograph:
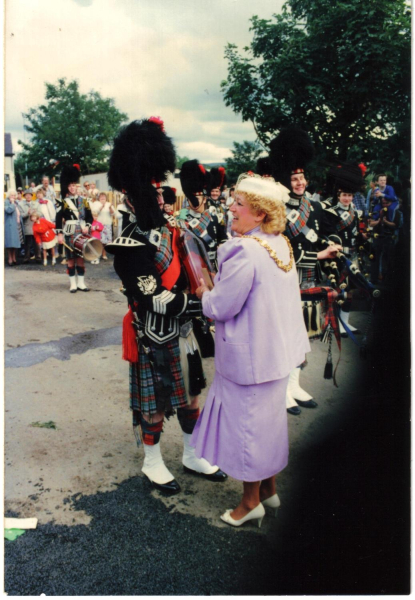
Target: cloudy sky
(154, 57)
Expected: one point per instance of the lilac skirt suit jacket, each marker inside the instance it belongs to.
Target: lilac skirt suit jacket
(260, 337)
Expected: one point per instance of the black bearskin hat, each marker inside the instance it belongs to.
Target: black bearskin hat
(290, 151)
(169, 194)
(216, 179)
(263, 166)
(69, 174)
(142, 155)
(347, 178)
(193, 178)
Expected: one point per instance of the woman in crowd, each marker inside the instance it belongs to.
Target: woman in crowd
(260, 337)
(105, 212)
(13, 228)
(26, 207)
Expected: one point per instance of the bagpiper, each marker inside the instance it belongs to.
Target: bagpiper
(290, 152)
(202, 221)
(166, 373)
(341, 224)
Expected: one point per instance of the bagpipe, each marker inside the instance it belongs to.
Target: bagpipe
(344, 274)
(197, 265)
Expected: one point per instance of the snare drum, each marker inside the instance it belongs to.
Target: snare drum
(87, 247)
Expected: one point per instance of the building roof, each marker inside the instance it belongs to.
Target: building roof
(8, 148)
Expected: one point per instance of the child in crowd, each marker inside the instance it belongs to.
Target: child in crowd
(43, 231)
(46, 206)
(96, 228)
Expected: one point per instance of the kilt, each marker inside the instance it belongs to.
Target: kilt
(157, 385)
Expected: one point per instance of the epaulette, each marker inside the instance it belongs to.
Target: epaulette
(125, 242)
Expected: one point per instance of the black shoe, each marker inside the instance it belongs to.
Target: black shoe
(218, 475)
(307, 403)
(171, 487)
(83, 289)
(294, 410)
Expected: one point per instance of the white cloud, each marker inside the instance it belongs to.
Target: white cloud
(153, 57)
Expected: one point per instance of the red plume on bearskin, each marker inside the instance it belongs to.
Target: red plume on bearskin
(363, 168)
(348, 178)
(292, 149)
(216, 179)
(69, 174)
(142, 153)
(193, 178)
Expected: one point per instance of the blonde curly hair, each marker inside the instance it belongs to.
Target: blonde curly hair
(275, 219)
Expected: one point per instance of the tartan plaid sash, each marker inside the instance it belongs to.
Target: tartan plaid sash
(164, 254)
(202, 224)
(343, 223)
(294, 229)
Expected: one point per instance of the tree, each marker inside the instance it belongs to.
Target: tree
(339, 69)
(244, 159)
(70, 126)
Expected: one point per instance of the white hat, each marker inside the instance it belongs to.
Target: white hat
(265, 187)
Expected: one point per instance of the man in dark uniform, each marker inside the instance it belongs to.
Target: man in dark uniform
(201, 221)
(341, 224)
(166, 373)
(73, 217)
(290, 152)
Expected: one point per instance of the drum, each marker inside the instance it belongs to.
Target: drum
(87, 247)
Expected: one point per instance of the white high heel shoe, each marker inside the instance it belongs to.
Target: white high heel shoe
(273, 502)
(256, 513)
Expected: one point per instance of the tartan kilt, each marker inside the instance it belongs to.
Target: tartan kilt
(158, 386)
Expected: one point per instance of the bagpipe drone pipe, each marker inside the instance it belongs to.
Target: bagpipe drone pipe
(343, 275)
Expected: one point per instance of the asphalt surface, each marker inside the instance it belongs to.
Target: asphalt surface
(343, 528)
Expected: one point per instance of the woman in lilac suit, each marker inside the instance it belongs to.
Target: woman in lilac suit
(260, 337)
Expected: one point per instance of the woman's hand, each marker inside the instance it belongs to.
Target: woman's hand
(201, 289)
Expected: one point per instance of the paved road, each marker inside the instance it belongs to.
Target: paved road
(102, 530)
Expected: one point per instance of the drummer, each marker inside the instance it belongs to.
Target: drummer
(72, 220)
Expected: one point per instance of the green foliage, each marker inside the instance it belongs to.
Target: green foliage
(69, 126)
(339, 69)
(244, 159)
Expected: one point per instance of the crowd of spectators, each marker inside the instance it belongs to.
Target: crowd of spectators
(38, 204)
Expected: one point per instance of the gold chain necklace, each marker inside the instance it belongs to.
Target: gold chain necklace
(273, 254)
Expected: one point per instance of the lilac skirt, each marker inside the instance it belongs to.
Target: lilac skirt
(243, 428)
